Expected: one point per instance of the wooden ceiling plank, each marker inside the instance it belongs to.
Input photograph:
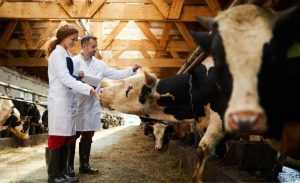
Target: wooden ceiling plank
(162, 6)
(165, 36)
(113, 34)
(28, 34)
(144, 27)
(186, 34)
(176, 8)
(108, 11)
(7, 33)
(145, 54)
(46, 34)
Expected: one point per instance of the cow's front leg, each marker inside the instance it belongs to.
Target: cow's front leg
(211, 138)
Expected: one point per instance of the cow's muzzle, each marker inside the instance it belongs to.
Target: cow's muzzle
(248, 122)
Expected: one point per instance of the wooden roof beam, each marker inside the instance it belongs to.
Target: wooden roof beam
(162, 6)
(186, 34)
(7, 33)
(116, 45)
(165, 36)
(175, 9)
(42, 62)
(108, 11)
(144, 27)
(28, 34)
(46, 34)
(214, 6)
(113, 34)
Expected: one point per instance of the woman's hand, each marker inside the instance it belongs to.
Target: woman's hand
(81, 74)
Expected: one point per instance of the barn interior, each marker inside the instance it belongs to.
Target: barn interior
(153, 33)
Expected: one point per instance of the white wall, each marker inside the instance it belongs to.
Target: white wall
(14, 78)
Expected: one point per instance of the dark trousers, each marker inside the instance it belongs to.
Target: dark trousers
(86, 136)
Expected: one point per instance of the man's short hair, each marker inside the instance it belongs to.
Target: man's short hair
(86, 39)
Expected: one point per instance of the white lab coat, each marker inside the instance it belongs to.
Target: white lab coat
(88, 108)
(62, 95)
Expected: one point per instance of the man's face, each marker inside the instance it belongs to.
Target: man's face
(90, 47)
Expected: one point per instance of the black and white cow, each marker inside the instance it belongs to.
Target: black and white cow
(257, 73)
(181, 98)
(10, 119)
(30, 112)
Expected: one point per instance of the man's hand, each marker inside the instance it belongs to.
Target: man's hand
(136, 67)
(81, 74)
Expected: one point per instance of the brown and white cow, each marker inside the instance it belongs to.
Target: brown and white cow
(256, 72)
(10, 119)
(181, 98)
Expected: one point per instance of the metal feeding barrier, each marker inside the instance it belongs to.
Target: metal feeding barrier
(34, 94)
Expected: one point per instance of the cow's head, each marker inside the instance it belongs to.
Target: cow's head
(16, 125)
(248, 44)
(162, 134)
(133, 95)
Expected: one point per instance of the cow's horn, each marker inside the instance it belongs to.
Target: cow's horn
(286, 14)
(149, 79)
(207, 22)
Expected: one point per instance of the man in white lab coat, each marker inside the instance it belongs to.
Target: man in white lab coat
(92, 71)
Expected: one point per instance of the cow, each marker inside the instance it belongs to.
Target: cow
(10, 119)
(162, 133)
(29, 111)
(182, 98)
(257, 72)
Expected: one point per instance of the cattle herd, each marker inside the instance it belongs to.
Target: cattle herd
(249, 86)
(22, 118)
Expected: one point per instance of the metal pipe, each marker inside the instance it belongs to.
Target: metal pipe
(20, 100)
(190, 60)
(5, 85)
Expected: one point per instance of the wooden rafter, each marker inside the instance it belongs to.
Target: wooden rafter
(162, 6)
(24, 53)
(80, 8)
(175, 9)
(27, 33)
(7, 33)
(144, 27)
(97, 29)
(113, 34)
(45, 35)
(42, 62)
(77, 25)
(116, 45)
(186, 34)
(174, 54)
(108, 11)
(38, 53)
(214, 6)
(117, 54)
(145, 54)
(165, 36)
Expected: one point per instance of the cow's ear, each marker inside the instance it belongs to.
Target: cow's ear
(150, 80)
(203, 39)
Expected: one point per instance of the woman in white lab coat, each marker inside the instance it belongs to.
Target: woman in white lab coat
(62, 104)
